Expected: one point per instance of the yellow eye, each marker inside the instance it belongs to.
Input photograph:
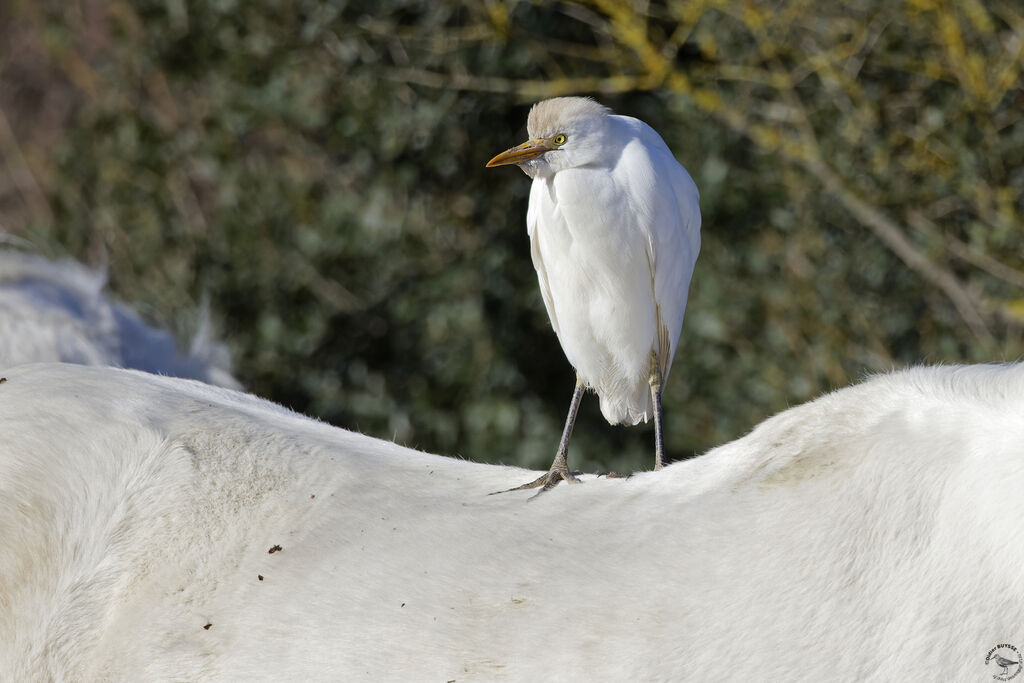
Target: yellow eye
(559, 139)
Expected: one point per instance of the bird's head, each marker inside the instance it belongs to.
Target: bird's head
(565, 132)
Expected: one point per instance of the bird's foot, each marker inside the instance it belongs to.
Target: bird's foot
(614, 475)
(545, 482)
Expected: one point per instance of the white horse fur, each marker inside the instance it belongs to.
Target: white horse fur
(875, 534)
(57, 311)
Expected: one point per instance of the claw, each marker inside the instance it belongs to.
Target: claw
(544, 482)
(559, 468)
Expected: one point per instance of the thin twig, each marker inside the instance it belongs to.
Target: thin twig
(963, 251)
(21, 173)
(525, 89)
(890, 233)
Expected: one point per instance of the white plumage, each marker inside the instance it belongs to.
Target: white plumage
(614, 224)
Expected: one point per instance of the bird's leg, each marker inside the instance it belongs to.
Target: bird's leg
(560, 467)
(655, 380)
(561, 463)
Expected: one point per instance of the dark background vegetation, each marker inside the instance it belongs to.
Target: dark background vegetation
(312, 171)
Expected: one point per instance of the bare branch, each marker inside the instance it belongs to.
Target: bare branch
(526, 89)
(963, 251)
(21, 174)
(893, 237)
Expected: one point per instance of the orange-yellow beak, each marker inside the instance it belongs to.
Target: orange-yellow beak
(517, 155)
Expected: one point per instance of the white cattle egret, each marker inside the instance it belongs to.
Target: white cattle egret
(614, 224)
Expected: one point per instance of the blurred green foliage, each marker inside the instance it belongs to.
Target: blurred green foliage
(316, 170)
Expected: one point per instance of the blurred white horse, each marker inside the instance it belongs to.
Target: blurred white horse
(154, 529)
(57, 311)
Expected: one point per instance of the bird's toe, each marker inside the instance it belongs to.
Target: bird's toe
(545, 482)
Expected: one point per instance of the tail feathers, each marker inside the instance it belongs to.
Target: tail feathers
(627, 408)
